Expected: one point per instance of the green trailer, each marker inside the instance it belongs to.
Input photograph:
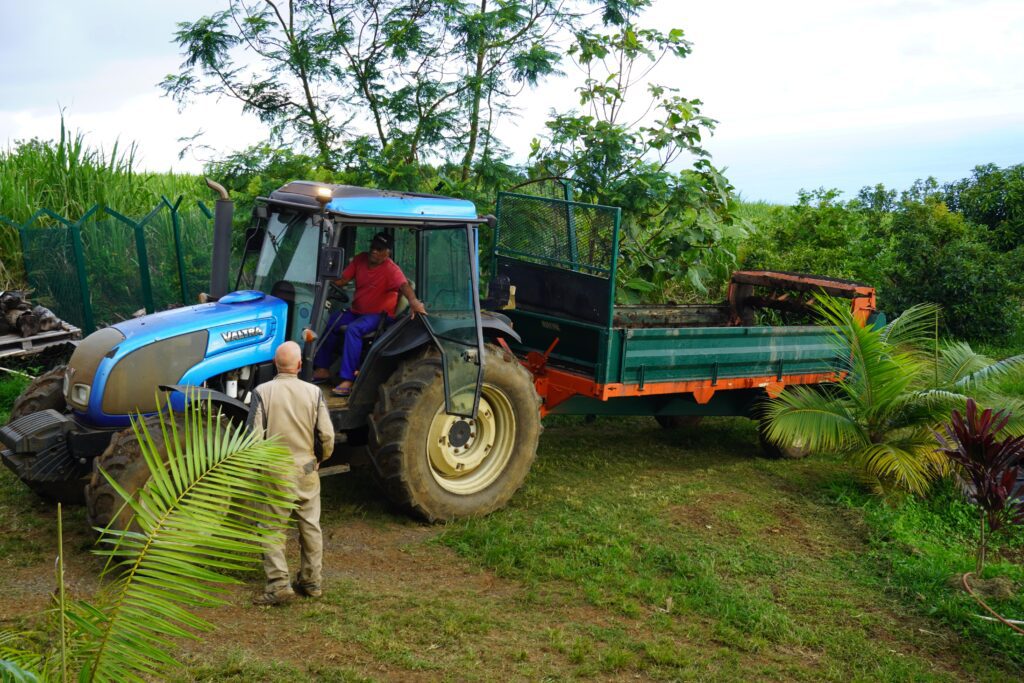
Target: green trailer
(589, 356)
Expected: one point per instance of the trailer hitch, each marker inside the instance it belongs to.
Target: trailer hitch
(536, 362)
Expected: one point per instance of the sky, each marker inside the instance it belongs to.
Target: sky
(807, 94)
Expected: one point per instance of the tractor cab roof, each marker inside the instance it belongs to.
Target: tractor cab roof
(372, 204)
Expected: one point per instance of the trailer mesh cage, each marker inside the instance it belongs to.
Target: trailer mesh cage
(555, 232)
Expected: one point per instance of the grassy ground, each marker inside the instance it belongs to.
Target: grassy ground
(632, 553)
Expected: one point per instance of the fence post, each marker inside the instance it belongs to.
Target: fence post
(83, 280)
(141, 252)
(176, 227)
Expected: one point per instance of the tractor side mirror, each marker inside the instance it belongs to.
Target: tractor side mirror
(254, 240)
(332, 260)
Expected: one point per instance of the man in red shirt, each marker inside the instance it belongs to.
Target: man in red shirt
(379, 281)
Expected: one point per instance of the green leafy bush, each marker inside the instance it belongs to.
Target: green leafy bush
(992, 197)
(913, 250)
(935, 256)
(822, 235)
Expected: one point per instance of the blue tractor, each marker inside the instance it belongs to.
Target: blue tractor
(446, 416)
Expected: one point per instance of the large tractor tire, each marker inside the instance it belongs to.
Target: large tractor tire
(442, 467)
(123, 460)
(45, 392)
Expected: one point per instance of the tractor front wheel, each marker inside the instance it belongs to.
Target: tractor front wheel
(124, 462)
(444, 467)
(45, 392)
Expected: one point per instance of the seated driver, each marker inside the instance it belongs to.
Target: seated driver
(379, 281)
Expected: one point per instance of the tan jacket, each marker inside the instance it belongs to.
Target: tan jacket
(294, 411)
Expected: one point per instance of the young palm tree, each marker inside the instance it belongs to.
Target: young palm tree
(204, 511)
(899, 385)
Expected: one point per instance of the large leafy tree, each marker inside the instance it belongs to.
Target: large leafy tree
(899, 385)
(404, 80)
(675, 221)
(992, 197)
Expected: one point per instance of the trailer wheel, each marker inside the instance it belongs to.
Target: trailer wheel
(122, 460)
(45, 392)
(679, 421)
(775, 451)
(442, 467)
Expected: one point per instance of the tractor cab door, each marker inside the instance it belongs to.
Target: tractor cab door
(447, 285)
(287, 265)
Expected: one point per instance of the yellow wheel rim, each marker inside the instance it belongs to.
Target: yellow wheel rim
(465, 455)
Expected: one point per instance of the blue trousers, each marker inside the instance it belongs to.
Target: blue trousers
(358, 327)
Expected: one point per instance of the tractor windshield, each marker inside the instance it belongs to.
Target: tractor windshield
(287, 265)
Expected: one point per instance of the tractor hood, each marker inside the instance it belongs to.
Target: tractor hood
(115, 372)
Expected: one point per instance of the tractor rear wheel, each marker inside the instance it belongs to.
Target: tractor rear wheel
(123, 460)
(45, 392)
(443, 467)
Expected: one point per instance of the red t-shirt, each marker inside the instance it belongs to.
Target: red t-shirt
(376, 286)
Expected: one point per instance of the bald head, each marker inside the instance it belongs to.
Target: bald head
(288, 357)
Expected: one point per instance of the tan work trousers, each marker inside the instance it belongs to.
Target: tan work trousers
(311, 541)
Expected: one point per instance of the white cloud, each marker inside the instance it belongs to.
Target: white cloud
(803, 90)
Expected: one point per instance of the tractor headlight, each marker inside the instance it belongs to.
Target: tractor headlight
(80, 394)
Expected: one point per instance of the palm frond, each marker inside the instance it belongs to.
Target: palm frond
(203, 511)
(823, 423)
(958, 360)
(977, 377)
(15, 673)
(914, 329)
(910, 463)
(923, 407)
(877, 372)
(17, 659)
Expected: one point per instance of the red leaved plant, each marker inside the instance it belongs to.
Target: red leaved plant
(988, 467)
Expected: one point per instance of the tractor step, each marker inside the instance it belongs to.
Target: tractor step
(334, 469)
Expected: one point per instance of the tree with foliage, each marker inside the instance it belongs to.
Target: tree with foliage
(988, 468)
(674, 221)
(204, 511)
(935, 256)
(821, 234)
(908, 245)
(992, 197)
(430, 77)
(898, 385)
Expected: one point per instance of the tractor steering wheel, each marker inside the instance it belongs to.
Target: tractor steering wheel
(336, 293)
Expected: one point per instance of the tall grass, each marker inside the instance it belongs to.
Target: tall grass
(68, 176)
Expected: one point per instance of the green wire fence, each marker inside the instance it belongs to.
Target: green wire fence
(105, 266)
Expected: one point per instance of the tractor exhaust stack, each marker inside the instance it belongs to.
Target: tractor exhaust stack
(221, 263)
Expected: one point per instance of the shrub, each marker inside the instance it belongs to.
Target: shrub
(821, 235)
(936, 256)
(988, 468)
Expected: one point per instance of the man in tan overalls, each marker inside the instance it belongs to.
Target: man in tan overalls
(294, 411)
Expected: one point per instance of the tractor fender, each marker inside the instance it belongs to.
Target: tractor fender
(403, 337)
(410, 337)
(232, 408)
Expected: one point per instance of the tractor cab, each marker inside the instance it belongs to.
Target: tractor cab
(305, 233)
